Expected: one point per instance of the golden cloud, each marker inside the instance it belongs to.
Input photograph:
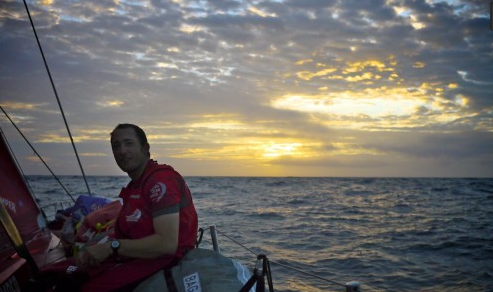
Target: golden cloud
(306, 75)
(110, 103)
(22, 105)
(365, 69)
(379, 107)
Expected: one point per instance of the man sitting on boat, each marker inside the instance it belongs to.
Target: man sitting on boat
(156, 226)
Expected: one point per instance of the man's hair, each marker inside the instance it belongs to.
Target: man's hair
(141, 135)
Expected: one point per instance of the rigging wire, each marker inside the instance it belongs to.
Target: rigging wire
(283, 265)
(37, 154)
(56, 95)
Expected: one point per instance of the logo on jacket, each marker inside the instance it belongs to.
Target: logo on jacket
(71, 269)
(157, 192)
(135, 216)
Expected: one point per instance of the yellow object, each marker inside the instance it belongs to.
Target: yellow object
(100, 227)
(10, 227)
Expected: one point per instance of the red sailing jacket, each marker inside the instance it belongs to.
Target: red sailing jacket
(161, 190)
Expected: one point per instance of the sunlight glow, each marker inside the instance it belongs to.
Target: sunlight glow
(234, 141)
(406, 13)
(173, 49)
(365, 70)
(304, 61)
(53, 138)
(224, 125)
(360, 66)
(237, 141)
(306, 75)
(166, 65)
(46, 2)
(22, 105)
(260, 13)
(190, 28)
(110, 103)
(380, 107)
(280, 149)
(80, 135)
(416, 24)
(345, 104)
(94, 154)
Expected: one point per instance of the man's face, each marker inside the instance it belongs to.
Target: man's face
(130, 156)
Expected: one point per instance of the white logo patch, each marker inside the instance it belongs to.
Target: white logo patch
(157, 192)
(71, 270)
(135, 216)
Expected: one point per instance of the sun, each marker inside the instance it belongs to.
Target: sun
(275, 150)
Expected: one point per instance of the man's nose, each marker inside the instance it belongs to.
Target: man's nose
(120, 149)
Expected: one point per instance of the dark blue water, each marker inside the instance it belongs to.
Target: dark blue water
(390, 234)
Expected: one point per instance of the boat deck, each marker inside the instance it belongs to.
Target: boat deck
(45, 248)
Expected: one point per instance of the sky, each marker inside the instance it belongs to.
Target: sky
(352, 88)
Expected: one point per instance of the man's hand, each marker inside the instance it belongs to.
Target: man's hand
(93, 255)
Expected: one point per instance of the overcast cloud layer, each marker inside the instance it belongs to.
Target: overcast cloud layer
(257, 88)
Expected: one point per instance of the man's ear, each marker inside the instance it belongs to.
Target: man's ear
(147, 148)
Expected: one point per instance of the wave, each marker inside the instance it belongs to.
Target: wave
(389, 234)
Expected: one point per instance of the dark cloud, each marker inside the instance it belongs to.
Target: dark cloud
(310, 4)
(453, 146)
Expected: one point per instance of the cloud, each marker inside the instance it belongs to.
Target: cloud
(269, 82)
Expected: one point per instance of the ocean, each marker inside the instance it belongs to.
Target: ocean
(389, 234)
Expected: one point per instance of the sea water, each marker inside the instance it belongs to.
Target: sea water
(389, 234)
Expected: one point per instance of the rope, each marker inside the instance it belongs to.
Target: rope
(37, 154)
(56, 95)
(225, 235)
(283, 265)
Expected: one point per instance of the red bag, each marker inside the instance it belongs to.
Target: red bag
(99, 221)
